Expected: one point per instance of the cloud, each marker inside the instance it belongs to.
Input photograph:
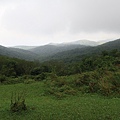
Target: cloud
(35, 17)
(55, 19)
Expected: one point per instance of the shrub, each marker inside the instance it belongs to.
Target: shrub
(66, 89)
(40, 77)
(29, 81)
(105, 87)
(58, 95)
(3, 78)
(52, 77)
(13, 80)
(84, 89)
(83, 79)
(18, 102)
(93, 86)
(115, 80)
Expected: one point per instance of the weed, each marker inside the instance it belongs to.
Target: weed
(18, 102)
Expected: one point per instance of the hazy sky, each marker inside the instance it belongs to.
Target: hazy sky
(37, 22)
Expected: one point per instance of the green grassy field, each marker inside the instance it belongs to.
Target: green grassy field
(46, 107)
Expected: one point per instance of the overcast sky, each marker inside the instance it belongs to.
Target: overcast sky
(38, 22)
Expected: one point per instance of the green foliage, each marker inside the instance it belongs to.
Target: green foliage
(29, 81)
(77, 54)
(3, 78)
(18, 102)
(105, 83)
(79, 107)
(58, 87)
(15, 67)
(96, 73)
(12, 80)
(40, 70)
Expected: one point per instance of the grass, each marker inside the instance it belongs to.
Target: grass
(42, 107)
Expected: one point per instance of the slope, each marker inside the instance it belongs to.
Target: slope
(49, 50)
(79, 53)
(17, 53)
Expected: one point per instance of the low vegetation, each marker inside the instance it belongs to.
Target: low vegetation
(47, 107)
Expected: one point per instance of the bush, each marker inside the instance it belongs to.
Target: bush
(105, 87)
(87, 79)
(18, 102)
(3, 78)
(84, 89)
(29, 81)
(40, 77)
(13, 80)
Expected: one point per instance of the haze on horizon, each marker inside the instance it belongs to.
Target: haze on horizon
(39, 22)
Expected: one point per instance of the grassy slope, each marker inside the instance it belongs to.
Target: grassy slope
(81, 107)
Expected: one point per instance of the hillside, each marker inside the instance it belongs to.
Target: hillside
(79, 53)
(48, 50)
(17, 53)
(67, 52)
(52, 48)
(85, 42)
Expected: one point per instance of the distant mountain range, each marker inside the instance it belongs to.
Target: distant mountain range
(58, 51)
(78, 42)
(79, 53)
(49, 50)
(83, 42)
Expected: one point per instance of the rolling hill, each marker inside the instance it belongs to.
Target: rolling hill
(18, 53)
(49, 50)
(84, 42)
(52, 48)
(63, 51)
(80, 52)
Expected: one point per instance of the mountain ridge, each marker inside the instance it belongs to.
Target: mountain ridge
(71, 54)
(80, 42)
(48, 51)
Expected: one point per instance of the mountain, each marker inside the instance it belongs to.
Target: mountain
(24, 47)
(54, 48)
(17, 53)
(61, 51)
(104, 41)
(85, 42)
(79, 53)
(48, 50)
(78, 42)
(41, 52)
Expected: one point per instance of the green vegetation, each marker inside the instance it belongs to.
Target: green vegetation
(79, 53)
(81, 89)
(94, 74)
(18, 53)
(18, 102)
(42, 107)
